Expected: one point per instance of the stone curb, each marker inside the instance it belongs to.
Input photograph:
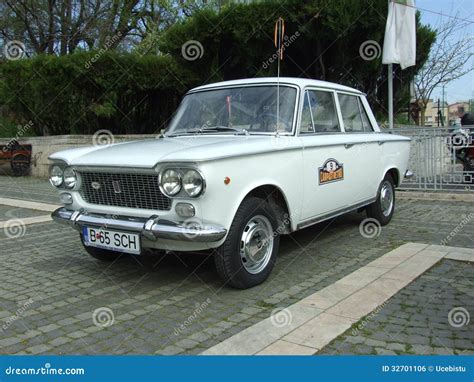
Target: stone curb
(14, 224)
(310, 324)
(444, 196)
(28, 204)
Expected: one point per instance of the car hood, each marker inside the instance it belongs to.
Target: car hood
(149, 152)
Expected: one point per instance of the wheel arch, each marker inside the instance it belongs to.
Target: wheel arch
(395, 174)
(278, 202)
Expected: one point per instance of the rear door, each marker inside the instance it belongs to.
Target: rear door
(329, 171)
(365, 148)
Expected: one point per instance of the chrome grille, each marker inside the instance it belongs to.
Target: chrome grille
(123, 190)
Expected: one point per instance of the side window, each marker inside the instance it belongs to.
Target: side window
(351, 113)
(319, 113)
(354, 115)
(365, 119)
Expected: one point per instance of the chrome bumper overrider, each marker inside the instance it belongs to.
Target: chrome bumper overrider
(408, 174)
(152, 228)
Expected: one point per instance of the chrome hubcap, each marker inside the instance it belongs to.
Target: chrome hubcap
(386, 198)
(256, 244)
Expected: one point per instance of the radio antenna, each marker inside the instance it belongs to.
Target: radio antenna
(279, 34)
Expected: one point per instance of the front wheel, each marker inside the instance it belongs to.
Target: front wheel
(249, 252)
(384, 206)
(101, 254)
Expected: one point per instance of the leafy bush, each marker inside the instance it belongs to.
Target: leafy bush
(131, 93)
(85, 92)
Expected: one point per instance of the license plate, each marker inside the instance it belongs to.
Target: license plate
(115, 241)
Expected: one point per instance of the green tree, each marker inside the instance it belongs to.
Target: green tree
(324, 41)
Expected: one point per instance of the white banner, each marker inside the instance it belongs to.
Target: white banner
(399, 46)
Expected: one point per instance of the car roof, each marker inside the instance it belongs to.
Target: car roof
(300, 82)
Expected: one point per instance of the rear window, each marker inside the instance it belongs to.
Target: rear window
(354, 115)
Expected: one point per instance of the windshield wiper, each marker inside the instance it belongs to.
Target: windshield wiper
(217, 128)
(209, 129)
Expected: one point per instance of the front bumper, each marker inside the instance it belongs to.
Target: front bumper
(152, 228)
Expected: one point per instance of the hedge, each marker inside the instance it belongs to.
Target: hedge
(134, 93)
(85, 92)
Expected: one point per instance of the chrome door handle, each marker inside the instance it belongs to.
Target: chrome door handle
(348, 145)
(381, 143)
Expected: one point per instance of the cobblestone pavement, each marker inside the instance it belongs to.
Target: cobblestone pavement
(55, 299)
(432, 315)
(35, 189)
(8, 212)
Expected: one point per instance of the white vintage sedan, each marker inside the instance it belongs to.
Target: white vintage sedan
(241, 163)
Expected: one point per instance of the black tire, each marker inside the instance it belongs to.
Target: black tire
(229, 262)
(101, 254)
(376, 210)
(20, 165)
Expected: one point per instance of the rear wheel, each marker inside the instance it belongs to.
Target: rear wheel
(20, 165)
(101, 254)
(249, 252)
(384, 206)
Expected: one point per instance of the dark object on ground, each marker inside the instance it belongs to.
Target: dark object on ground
(18, 155)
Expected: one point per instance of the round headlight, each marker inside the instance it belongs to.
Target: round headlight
(171, 182)
(70, 177)
(193, 183)
(56, 176)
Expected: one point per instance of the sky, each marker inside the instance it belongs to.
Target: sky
(461, 89)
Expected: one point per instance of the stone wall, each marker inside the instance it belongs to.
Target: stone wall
(45, 146)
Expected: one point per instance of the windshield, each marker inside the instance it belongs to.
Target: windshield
(240, 110)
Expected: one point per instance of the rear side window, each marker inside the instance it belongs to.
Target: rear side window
(319, 113)
(353, 114)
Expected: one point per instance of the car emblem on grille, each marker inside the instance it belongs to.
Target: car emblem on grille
(96, 185)
(116, 186)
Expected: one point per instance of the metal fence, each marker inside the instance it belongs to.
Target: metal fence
(437, 159)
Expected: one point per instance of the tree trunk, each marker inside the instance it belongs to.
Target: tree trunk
(51, 31)
(421, 122)
(66, 14)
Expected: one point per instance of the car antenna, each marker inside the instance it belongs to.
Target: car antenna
(279, 34)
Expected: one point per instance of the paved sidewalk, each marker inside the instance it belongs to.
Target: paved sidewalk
(433, 315)
(309, 325)
(52, 291)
